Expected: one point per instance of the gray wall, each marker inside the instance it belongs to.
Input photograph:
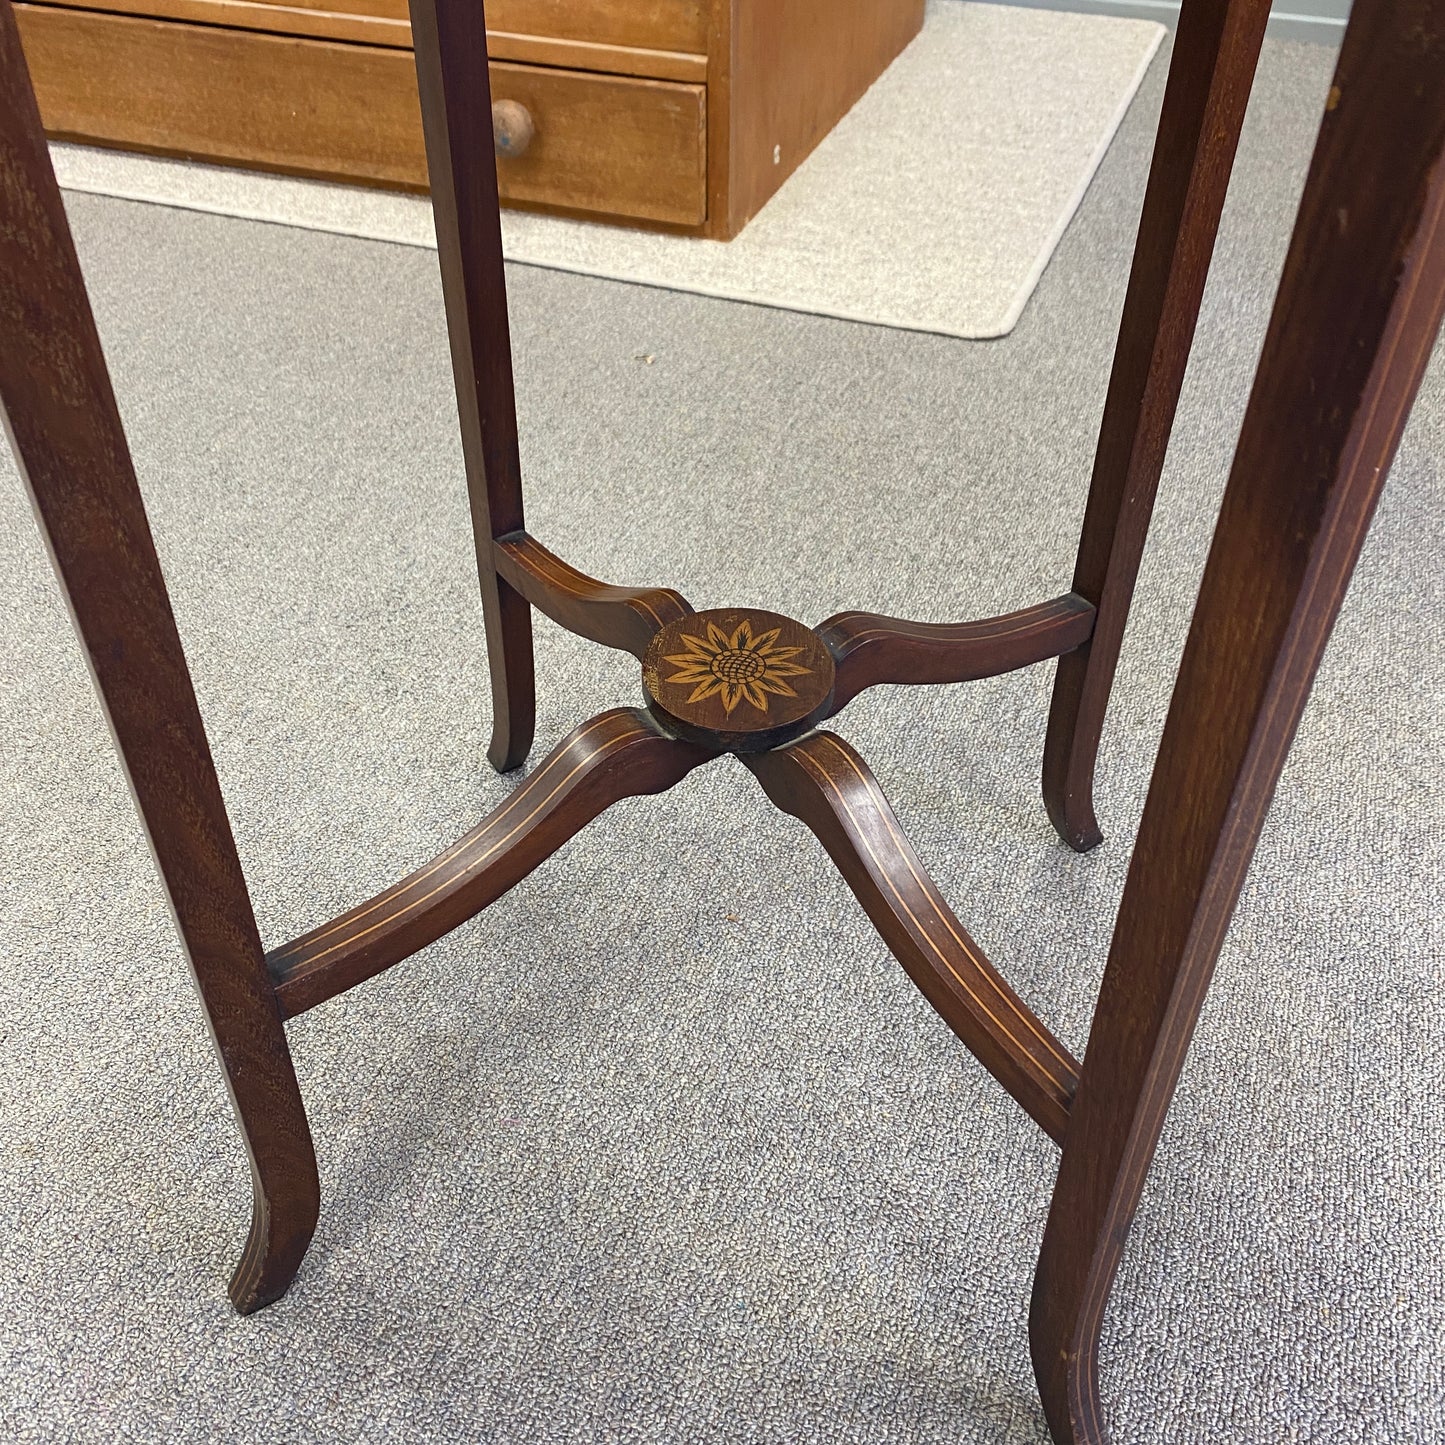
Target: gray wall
(1322, 20)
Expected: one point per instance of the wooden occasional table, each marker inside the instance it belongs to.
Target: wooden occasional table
(1352, 330)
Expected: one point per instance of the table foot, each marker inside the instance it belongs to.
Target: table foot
(284, 1211)
(1066, 1368)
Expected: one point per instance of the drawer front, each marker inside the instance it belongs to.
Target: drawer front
(607, 143)
(646, 24)
(314, 107)
(384, 22)
(604, 144)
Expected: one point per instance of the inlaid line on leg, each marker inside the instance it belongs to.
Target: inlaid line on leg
(823, 782)
(58, 408)
(627, 618)
(1356, 317)
(619, 754)
(869, 649)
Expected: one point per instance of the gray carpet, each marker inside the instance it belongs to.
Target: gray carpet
(664, 1147)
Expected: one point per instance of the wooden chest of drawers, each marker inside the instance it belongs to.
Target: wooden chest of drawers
(681, 114)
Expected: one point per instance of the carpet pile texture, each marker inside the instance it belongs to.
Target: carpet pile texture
(664, 1147)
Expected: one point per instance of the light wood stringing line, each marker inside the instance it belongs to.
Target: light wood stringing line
(1034, 1025)
(348, 924)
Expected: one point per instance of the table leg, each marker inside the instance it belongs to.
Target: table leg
(450, 38)
(1216, 48)
(1353, 326)
(60, 415)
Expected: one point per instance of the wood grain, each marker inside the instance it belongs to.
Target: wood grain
(394, 30)
(624, 617)
(620, 754)
(588, 55)
(791, 69)
(1358, 311)
(382, 9)
(1357, 314)
(604, 143)
(682, 115)
(823, 782)
(608, 144)
(456, 107)
(271, 101)
(1216, 48)
(870, 649)
(277, 19)
(644, 24)
(738, 678)
(60, 417)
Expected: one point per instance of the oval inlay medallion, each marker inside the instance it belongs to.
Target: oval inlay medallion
(738, 678)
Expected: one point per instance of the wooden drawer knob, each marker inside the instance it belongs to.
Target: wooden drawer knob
(512, 128)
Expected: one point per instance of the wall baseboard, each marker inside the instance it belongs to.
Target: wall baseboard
(1324, 24)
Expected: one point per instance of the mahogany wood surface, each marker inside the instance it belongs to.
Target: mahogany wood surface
(456, 101)
(620, 754)
(1358, 311)
(739, 679)
(1357, 314)
(870, 649)
(623, 617)
(61, 419)
(823, 782)
(1216, 48)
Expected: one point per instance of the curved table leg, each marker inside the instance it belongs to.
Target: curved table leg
(618, 754)
(59, 411)
(1358, 311)
(822, 781)
(1216, 47)
(456, 110)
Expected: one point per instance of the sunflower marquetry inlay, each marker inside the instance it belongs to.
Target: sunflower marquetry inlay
(737, 667)
(738, 679)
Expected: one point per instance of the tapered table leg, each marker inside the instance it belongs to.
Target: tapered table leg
(61, 418)
(1216, 48)
(1356, 316)
(450, 41)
